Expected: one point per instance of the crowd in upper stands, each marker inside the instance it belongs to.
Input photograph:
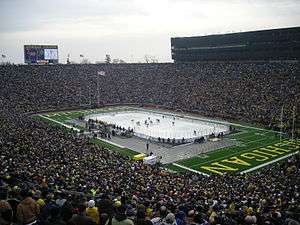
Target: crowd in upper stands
(254, 91)
(54, 176)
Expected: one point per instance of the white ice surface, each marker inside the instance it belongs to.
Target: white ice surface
(183, 127)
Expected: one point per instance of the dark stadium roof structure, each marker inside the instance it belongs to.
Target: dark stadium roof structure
(274, 44)
(243, 32)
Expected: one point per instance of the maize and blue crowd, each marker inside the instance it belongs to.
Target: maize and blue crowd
(52, 176)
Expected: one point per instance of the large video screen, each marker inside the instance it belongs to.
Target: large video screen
(41, 54)
(51, 53)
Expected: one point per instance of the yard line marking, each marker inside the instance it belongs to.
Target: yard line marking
(256, 135)
(65, 125)
(255, 140)
(246, 150)
(112, 143)
(189, 169)
(250, 135)
(268, 163)
(244, 142)
(238, 133)
(51, 115)
(214, 151)
(74, 128)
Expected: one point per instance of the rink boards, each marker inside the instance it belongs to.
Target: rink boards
(257, 147)
(153, 125)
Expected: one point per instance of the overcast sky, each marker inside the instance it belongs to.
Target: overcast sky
(130, 29)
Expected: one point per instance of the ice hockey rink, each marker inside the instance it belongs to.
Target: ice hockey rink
(155, 124)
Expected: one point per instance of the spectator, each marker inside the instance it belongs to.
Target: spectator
(55, 218)
(6, 216)
(170, 219)
(120, 218)
(27, 210)
(92, 211)
(80, 218)
(48, 159)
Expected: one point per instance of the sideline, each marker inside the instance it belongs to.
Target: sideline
(268, 163)
(236, 153)
(189, 169)
(110, 142)
(74, 128)
(65, 125)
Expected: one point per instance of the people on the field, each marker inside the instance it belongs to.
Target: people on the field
(37, 156)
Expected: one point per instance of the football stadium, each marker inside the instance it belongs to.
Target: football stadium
(176, 138)
(211, 138)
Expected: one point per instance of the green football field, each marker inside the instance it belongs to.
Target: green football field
(257, 147)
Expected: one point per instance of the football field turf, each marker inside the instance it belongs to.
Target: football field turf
(257, 147)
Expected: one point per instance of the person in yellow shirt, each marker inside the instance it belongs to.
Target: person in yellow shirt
(92, 211)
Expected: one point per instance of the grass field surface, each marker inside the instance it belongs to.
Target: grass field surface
(257, 146)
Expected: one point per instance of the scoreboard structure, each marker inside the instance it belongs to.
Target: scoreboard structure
(41, 54)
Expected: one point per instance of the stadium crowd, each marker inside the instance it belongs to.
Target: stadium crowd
(54, 176)
(249, 91)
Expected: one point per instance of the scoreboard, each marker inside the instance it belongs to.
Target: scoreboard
(41, 54)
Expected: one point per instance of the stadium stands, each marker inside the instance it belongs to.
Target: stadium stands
(275, 44)
(63, 171)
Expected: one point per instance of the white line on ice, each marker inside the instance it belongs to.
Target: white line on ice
(206, 119)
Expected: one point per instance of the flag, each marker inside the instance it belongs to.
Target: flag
(101, 73)
(3, 56)
(81, 55)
